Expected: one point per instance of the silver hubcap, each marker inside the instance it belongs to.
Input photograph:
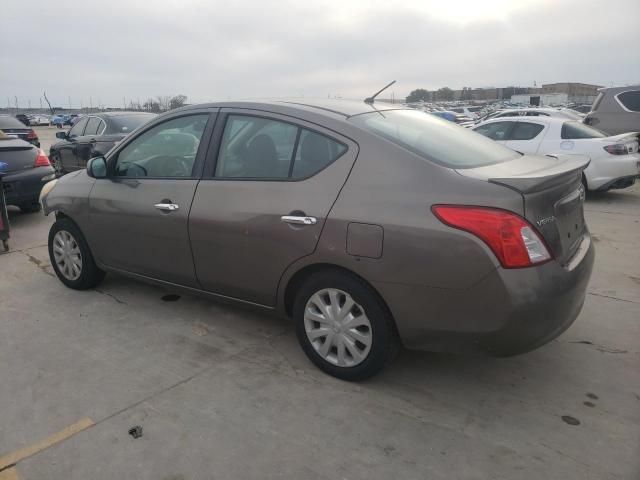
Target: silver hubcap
(337, 327)
(66, 253)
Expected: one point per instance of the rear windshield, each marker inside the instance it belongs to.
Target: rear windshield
(128, 123)
(437, 140)
(10, 122)
(577, 130)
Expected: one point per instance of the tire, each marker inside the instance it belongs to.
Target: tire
(30, 207)
(89, 274)
(381, 333)
(56, 163)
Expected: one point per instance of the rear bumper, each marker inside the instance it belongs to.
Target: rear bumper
(607, 172)
(24, 187)
(508, 312)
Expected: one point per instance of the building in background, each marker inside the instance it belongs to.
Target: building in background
(576, 92)
(540, 99)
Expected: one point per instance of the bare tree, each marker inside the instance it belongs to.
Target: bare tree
(51, 109)
(177, 101)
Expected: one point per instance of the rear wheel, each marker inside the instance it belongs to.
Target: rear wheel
(343, 327)
(71, 258)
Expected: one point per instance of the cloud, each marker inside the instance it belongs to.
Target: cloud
(217, 50)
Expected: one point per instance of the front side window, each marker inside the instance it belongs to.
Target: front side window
(262, 148)
(166, 150)
(525, 131)
(436, 140)
(92, 126)
(78, 128)
(495, 131)
(630, 100)
(577, 130)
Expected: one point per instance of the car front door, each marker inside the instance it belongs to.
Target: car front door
(138, 214)
(68, 149)
(526, 135)
(263, 201)
(85, 143)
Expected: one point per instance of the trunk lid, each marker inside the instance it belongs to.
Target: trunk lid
(16, 155)
(552, 194)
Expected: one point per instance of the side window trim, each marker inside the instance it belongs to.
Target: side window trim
(203, 146)
(217, 135)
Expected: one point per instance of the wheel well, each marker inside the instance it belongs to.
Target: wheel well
(301, 275)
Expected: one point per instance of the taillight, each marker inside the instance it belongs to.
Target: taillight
(510, 237)
(32, 135)
(42, 160)
(616, 149)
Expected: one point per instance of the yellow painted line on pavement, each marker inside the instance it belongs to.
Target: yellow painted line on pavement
(26, 452)
(9, 474)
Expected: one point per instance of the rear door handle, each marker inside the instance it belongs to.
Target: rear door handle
(167, 207)
(299, 220)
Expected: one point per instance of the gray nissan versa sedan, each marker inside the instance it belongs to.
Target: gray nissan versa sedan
(371, 226)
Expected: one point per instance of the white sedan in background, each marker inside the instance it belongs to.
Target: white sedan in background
(615, 161)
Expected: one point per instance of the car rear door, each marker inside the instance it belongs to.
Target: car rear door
(526, 135)
(68, 148)
(138, 215)
(268, 188)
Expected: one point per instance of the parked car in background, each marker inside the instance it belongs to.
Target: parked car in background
(91, 136)
(61, 120)
(24, 119)
(616, 110)
(454, 117)
(615, 161)
(12, 126)
(465, 243)
(470, 111)
(39, 120)
(26, 169)
(534, 112)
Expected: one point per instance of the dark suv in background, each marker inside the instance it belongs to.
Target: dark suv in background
(92, 136)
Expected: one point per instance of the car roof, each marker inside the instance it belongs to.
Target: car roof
(120, 114)
(618, 89)
(528, 119)
(327, 107)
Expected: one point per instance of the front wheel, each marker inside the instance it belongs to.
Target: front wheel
(343, 327)
(71, 258)
(56, 163)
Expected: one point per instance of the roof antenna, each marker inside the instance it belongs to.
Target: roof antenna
(371, 99)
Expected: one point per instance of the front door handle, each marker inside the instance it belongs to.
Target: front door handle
(299, 220)
(167, 207)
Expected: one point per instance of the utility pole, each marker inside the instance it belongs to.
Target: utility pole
(90, 103)
(16, 99)
(69, 103)
(29, 102)
(124, 103)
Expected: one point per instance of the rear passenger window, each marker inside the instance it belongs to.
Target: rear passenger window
(261, 148)
(526, 131)
(577, 130)
(315, 152)
(630, 100)
(495, 131)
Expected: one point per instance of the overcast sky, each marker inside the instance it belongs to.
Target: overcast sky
(210, 50)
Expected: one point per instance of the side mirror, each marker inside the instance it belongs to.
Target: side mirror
(97, 167)
(61, 135)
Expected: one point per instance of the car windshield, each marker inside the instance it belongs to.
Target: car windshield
(128, 123)
(434, 139)
(577, 130)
